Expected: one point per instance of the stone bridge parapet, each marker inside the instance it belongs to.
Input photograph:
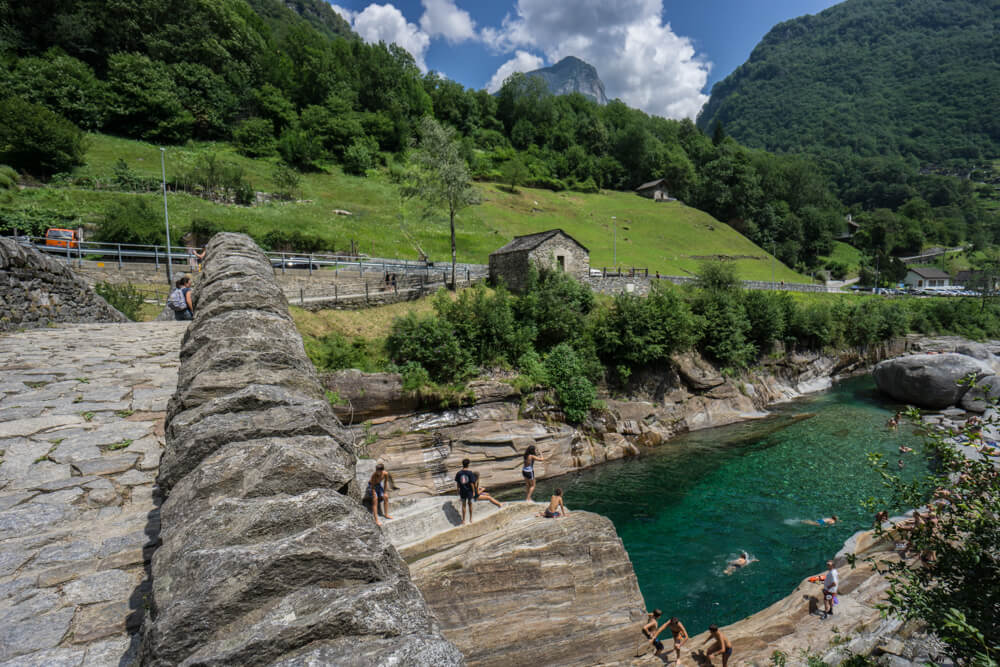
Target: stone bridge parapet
(267, 556)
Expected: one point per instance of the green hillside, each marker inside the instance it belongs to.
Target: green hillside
(669, 237)
(916, 78)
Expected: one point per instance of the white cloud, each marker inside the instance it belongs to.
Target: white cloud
(521, 62)
(637, 55)
(385, 23)
(442, 18)
(343, 11)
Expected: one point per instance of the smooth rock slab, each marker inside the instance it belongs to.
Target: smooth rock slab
(932, 381)
(100, 587)
(54, 657)
(35, 633)
(107, 465)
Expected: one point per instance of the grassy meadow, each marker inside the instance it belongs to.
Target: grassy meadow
(667, 237)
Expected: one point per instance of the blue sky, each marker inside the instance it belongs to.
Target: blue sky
(661, 56)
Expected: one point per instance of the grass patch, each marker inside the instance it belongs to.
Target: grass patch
(124, 413)
(119, 445)
(668, 237)
(87, 416)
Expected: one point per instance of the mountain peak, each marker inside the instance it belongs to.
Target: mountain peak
(572, 75)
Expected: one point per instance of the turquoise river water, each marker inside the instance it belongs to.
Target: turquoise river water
(686, 508)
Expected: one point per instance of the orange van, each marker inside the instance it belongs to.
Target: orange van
(61, 237)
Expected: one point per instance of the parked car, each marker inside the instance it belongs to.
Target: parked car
(294, 263)
(61, 238)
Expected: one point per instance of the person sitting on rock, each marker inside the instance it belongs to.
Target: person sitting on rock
(482, 495)
(555, 504)
(378, 490)
(828, 521)
(467, 481)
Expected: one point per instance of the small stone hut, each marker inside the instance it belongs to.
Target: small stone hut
(554, 249)
(655, 190)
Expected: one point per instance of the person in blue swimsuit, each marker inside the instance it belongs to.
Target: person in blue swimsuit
(723, 646)
(829, 521)
(528, 469)
(377, 485)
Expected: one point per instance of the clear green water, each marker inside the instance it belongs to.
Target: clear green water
(690, 506)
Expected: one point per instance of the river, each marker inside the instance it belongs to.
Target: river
(686, 508)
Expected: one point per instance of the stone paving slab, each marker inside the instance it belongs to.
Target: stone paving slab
(81, 434)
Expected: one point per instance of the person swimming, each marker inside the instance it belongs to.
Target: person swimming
(829, 521)
(740, 562)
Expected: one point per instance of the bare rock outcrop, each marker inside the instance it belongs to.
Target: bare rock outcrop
(515, 589)
(267, 557)
(36, 290)
(932, 381)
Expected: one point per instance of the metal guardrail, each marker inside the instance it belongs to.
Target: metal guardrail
(74, 251)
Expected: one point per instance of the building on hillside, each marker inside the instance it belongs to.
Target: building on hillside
(850, 229)
(555, 250)
(922, 277)
(655, 190)
(977, 280)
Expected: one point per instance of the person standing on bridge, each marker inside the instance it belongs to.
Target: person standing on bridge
(179, 300)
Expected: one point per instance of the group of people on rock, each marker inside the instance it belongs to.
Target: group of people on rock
(652, 630)
(469, 487)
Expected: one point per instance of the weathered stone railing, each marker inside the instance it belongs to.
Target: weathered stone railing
(36, 290)
(267, 556)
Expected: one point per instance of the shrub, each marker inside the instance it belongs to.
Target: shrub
(567, 375)
(299, 149)
(131, 220)
(554, 305)
(431, 342)
(36, 140)
(125, 298)
(766, 313)
(484, 324)
(725, 328)
(336, 351)
(532, 367)
(144, 97)
(63, 84)
(415, 376)
(636, 331)
(286, 181)
(359, 157)
(254, 137)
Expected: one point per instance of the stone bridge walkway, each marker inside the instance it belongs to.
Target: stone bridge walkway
(81, 432)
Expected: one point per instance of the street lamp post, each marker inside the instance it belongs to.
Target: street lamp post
(166, 218)
(614, 238)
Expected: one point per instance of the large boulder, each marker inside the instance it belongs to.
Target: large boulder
(932, 381)
(985, 393)
(267, 557)
(532, 591)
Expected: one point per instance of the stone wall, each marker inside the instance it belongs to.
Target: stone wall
(267, 556)
(576, 260)
(37, 290)
(512, 267)
(641, 284)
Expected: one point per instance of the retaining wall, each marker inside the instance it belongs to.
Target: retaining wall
(267, 556)
(641, 285)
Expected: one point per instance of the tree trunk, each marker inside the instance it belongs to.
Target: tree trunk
(453, 255)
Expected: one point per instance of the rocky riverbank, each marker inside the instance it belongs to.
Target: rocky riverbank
(420, 444)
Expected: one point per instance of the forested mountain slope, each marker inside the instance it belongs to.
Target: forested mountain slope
(916, 78)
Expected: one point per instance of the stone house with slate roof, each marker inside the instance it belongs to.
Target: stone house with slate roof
(554, 249)
(655, 190)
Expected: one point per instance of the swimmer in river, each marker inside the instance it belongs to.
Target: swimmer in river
(829, 521)
(734, 565)
(903, 449)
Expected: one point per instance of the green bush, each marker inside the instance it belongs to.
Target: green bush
(359, 157)
(567, 376)
(63, 84)
(144, 98)
(36, 140)
(485, 324)
(299, 149)
(336, 351)
(766, 313)
(125, 298)
(286, 181)
(132, 220)
(637, 331)
(415, 377)
(554, 306)
(254, 137)
(431, 342)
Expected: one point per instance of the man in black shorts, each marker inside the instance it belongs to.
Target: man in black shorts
(467, 482)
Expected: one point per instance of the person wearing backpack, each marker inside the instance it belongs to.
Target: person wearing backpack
(180, 300)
